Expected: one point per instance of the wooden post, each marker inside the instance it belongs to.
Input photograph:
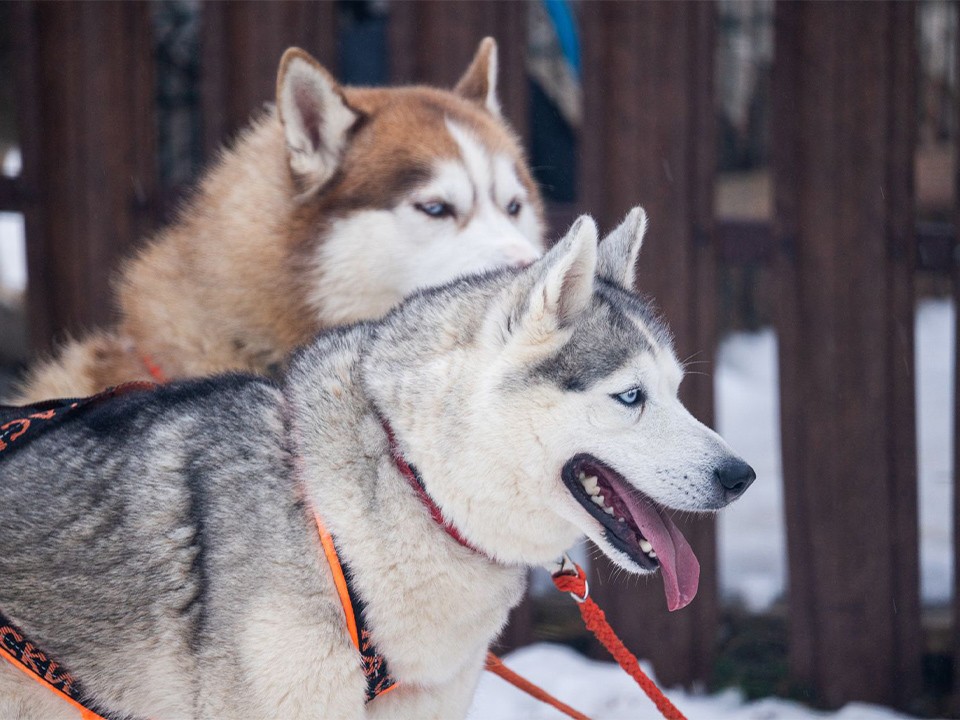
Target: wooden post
(647, 138)
(241, 44)
(85, 106)
(433, 42)
(955, 700)
(843, 141)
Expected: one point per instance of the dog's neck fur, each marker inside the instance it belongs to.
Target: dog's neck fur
(455, 600)
(237, 225)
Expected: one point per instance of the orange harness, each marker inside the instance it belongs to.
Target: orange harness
(24, 655)
(374, 664)
(16, 649)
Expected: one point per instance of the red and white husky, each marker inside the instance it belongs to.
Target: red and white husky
(330, 208)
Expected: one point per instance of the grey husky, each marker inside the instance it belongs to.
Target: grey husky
(169, 548)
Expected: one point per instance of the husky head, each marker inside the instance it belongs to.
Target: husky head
(541, 404)
(403, 188)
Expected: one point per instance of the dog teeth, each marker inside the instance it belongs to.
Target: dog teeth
(590, 484)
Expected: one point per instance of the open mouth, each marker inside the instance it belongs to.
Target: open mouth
(635, 525)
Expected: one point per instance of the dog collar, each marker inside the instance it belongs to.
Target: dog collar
(413, 478)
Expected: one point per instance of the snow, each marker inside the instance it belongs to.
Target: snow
(751, 536)
(602, 691)
(936, 323)
(751, 541)
(13, 259)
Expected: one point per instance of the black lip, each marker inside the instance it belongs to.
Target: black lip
(620, 535)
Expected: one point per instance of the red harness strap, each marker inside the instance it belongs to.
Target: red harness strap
(493, 664)
(156, 372)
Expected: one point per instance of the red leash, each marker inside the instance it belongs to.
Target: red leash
(575, 583)
(571, 579)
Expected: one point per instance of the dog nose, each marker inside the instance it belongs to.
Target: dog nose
(520, 256)
(734, 476)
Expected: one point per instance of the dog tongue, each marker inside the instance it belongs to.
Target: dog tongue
(678, 564)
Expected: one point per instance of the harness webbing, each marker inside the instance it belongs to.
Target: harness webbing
(156, 372)
(18, 427)
(21, 424)
(375, 668)
(20, 652)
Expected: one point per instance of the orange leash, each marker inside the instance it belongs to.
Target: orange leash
(496, 666)
(596, 622)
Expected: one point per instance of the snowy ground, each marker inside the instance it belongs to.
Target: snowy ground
(935, 392)
(604, 692)
(13, 261)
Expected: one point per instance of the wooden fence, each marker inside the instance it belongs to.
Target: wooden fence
(843, 249)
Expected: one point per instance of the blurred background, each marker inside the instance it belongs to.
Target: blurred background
(799, 164)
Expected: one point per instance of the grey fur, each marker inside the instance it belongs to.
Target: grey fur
(601, 343)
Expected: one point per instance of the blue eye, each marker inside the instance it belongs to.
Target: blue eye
(435, 209)
(513, 209)
(631, 398)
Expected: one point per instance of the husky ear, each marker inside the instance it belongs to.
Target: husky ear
(564, 279)
(315, 118)
(617, 256)
(479, 82)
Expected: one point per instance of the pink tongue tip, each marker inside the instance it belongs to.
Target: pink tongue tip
(681, 576)
(678, 564)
